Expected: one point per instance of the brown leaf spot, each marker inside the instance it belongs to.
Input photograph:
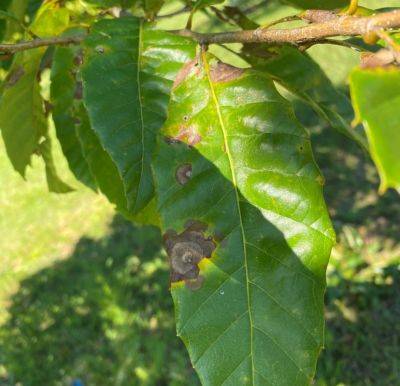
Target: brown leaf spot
(195, 284)
(184, 173)
(78, 94)
(78, 59)
(186, 70)
(222, 72)
(48, 107)
(188, 135)
(185, 251)
(14, 76)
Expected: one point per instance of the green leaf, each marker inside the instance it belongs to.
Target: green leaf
(50, 19)
(3, 8)
(152, 7)
(317, 4)
(22, 119)
(248, 186)
(106, 173)
(101, 165)
(65, 100)
(127, 77)
(376, 100)
(54, 182)
(299, 74)
(199, 4)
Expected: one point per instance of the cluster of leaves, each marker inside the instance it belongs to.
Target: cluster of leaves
(211, 153)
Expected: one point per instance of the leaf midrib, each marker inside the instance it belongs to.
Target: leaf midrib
(140, 43)
(231, 165)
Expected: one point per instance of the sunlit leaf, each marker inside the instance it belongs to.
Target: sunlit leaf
(129, 70)
(376, 100)
(247, 186)
(50, 19)
(22, 119)
(54, 182)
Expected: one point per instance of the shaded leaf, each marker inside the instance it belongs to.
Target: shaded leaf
(298, 73)
(65, 90)
(127, 77)
(376, 101)
(152, 7)
(252, 314)
(317, 4)
(101, 165)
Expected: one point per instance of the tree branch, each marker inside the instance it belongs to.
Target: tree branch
(339, 26)
(331, 26)
(36, 43)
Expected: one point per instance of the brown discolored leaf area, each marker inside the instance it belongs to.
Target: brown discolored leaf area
(188, 135)
(14, 76)
(186, 250)
(78, 94)
(186, 70)
(222, 72)
(184, 173)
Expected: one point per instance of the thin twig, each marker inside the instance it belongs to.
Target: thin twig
(36, 43)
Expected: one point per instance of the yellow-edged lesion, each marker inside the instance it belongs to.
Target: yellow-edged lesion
(204, 265)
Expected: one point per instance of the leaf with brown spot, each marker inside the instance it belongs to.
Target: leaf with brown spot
(256, 316)
(129, 70)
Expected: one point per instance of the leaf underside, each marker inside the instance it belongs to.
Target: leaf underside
(257, 319)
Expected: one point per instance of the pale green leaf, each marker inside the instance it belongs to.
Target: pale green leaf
(51, 19)
(22, 119)
(376, 100)
(249, 184)
(129, 70)
(54, 182)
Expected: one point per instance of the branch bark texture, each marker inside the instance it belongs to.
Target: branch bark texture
(324, 25)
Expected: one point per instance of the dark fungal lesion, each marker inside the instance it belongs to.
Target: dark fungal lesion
(183, 174)
(186, 250)
(14, 76)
